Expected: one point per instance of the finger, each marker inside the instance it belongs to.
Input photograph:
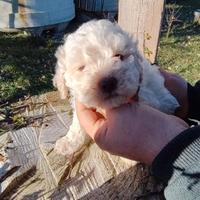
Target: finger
(166, 75)
(178, 88)
(90, 120)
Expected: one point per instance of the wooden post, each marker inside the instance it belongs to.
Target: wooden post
(142, 19)
(197, 16)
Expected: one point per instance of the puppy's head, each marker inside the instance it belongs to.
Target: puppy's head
(100, 65)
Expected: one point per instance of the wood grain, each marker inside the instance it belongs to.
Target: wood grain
(142, 19)
(35, 171)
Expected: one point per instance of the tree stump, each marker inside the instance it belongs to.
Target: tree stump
(30, 169)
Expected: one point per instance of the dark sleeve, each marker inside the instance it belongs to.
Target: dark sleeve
(194, 101)
(178, 165)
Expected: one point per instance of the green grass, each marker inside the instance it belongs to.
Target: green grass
(26, 66)
(181, 53)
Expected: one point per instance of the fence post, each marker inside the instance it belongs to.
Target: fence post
(143, 20)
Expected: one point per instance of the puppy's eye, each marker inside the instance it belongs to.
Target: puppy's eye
(81, 68)
(120, 56)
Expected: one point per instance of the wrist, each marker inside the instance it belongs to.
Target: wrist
(170, 130)
(181, 152)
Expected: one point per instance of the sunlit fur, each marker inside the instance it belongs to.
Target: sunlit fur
(90, 54)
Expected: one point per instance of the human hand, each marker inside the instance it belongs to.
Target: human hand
(135, 131)
(178, 88)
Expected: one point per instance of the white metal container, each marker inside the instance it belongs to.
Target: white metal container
(99, 5)
(19, 14)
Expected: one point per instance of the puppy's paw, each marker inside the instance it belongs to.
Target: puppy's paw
(64, 147)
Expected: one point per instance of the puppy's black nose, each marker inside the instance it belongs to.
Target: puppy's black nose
(108, 84)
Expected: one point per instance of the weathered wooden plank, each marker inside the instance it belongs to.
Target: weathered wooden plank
(6, 168)
(47, 103)
(31, 187)
(92, 174)
(22, 157)
(93, 159)
(129, 184)
(53, 128)
(89, 172)
(142, 19)
(25, 155)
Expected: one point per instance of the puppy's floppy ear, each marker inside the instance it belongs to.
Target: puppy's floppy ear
(59, 80)
(138, 56)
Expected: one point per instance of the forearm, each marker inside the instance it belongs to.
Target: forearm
(178, 165)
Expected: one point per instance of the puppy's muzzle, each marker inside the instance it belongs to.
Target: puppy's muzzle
(108, 85)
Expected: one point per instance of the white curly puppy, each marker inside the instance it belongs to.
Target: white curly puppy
(101, 66)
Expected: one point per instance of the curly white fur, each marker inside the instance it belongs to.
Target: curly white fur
(97, 51)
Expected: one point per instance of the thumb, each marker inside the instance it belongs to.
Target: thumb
(90, 120)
